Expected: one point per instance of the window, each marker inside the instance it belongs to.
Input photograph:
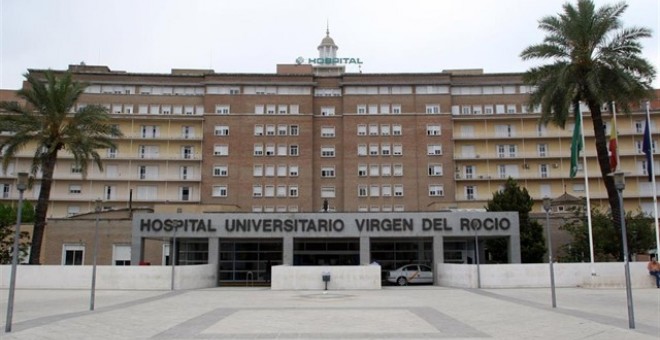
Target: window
(281, 170)
(373, 149)
(270, 130)
(219, 191)
(269, 170)
(293, 171)
(398, 169)
(148, 172)
(362, 170)
(258, 130)
(397, 130)
(258, 170)
(327, 151)
(362, 150)
(148, 151)
(433, 130)
(221, 150)
(488, 109)
(222, 109)
(327, 111)
(544, 169)
(386, 190)
(187, 132)
(149, 131)
(281, 191)
(385, 109)
(282, 109)
(293, 150)
(109, 192)
(75, 189)
(112, 153)
(73, 254)
(435, 169)
(434, 149)
(281, 150)
(221, 130)
(327, 192)
(270, 149)
(470, 192)
(372, 109)
(72, 210)
(327, 131)
(220, 171)
(76, 169)
(327, 171)
(374, 170)
(362, 191)
(436, 190)
(282, 130)
(385, 130)
(432, 109)
(270, 109)
(397, 150)
(385, 149)
(541, 130)
(386, 170)
(542, 150)
(639, 126)
(499, 109)
(257, 191)
(185, 193)
(511, 108)
(470, 171)
(121, 255)
(293, 190)
(293, 130)
(373, 129)
(398, 190)
(504, 131)
(374, 190)
(185, 172)
(361, 109)
(362, 130)
(187, 152)
(396, 109)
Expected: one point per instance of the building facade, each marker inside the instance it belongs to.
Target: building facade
(310, 138)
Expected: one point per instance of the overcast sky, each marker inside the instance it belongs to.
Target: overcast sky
(251, 36)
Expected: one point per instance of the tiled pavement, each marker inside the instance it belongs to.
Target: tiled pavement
(421, 312)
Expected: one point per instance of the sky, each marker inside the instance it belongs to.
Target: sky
(253, 36)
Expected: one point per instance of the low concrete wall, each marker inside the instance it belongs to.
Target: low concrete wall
(310, 277)
(608, 275)
(110, 277)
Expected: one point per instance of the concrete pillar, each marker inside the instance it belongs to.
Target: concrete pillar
(365, 250)
(214, 250)
(137, 249)
(287, 250)
(438, 256)
(514, 249)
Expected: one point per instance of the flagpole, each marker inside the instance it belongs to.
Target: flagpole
(586, 188)
(652, 174)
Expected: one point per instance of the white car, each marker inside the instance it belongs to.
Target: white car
(411, 273)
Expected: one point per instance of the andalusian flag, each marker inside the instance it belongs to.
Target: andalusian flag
(613, 145)
(576, 144)
(648, 150)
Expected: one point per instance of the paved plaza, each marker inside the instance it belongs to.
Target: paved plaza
(417, 312)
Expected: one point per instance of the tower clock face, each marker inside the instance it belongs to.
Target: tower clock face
(300, 60)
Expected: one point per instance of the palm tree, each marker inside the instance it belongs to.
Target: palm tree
(49, 125)
(595, 61)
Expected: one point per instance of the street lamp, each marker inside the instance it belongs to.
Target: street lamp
(97, 209)
(21, 185)
(620, 184)
(547, 205)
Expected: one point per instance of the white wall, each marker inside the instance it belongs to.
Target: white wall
(111, 277)
(310, 277)
(608, 275)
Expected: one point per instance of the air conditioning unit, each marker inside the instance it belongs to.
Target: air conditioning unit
(458, 176)
(555, 165)
(526, 166)
(477, 156)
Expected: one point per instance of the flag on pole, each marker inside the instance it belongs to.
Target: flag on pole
(576, 145)
(613, 146)
(647, 149)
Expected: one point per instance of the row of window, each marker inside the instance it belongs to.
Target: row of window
(152, 109)
(223, 149)
(379, 130)
(490, 109)
(270, 130)
(153, 131)
(387, 190)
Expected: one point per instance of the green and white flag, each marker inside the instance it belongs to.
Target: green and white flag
(576, 144)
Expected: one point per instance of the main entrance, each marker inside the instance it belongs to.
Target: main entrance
(248, 260)
(326, 251)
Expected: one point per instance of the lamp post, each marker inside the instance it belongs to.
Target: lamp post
(547, 204)
(620, 184)
(97, 209)
(476, 255)
(21, 185)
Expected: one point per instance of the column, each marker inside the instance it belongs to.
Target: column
(365, 251)
(137, 249)
(214, 250)
(438, 257)
(514, 248)
(287, 250)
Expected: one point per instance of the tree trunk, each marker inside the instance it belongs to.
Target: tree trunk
(47, 168)
(604, 163)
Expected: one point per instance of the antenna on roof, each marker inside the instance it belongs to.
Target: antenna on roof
(327, 27)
